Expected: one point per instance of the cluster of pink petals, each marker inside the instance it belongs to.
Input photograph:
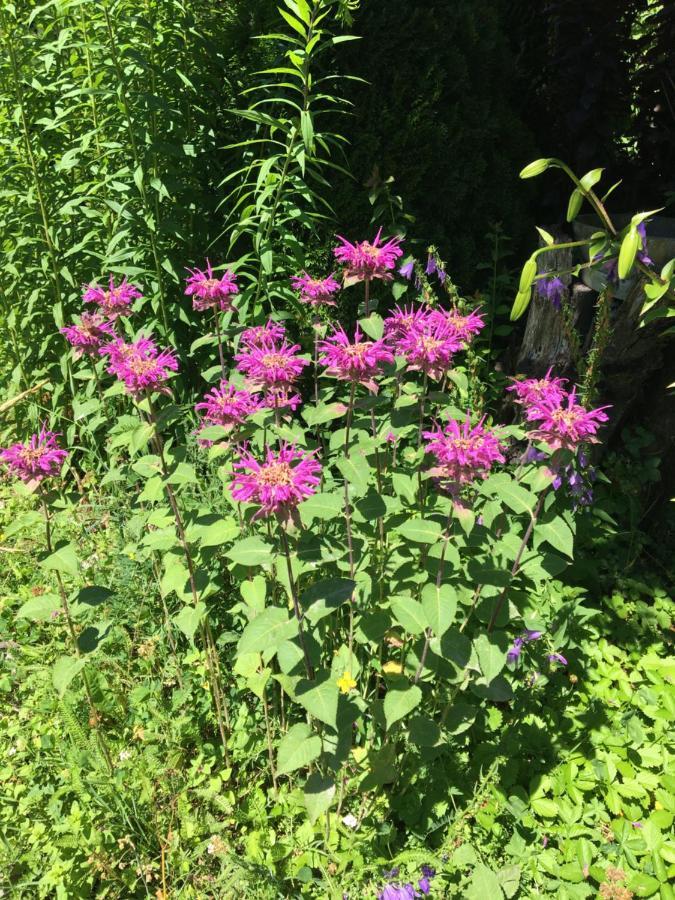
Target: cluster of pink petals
(315, 291)
(210, 292)
(227, 405)
(271, 366)
(141, 365)
(565, 424)
(278, 483)
(550, 391)
(464, 453)
(39, 458)
(364, 260)
(429, 345)
(113, 301)
(403, 320)
(259, 335)
(466, 326)
(359, 361)
(90, 333)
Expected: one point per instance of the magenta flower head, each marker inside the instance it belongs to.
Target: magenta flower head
(271, 366)
(39, 458)
(430, 345)
(466, 326)
(539, 390)
(315, 291)
(364, 261)
(403, 320)
(208, 291)
(141, 365)
(464, 453)
(113, 301)
(227, 405)
(89, 334)
(278, 483)
(359, 362)
(398, 892)
(566, 424)
(257, 335)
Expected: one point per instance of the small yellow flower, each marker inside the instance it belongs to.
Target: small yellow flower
(392, 668)
(346, 683)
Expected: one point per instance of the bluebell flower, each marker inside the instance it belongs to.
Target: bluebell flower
(431, 265)
(552, 289)
(407, 269)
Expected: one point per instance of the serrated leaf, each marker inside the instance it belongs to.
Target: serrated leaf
(64, 670)
(297, 749)
(188, 619)
(267, 631)
(62, 560)
(398, 702)
(39, 608)
(320, 698)
(491, 656)
(409, 614)
(440, 607)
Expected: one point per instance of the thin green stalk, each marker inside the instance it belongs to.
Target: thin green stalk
(296, 602)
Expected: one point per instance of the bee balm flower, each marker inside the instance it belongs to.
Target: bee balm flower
(364, 261)
(227, 405)
(359, 362)
(141, 365)
(89, 334)
(463, 453)
(565, 424)
(537, 390)
(278, 483)
(315, 291)
(115, 301)
(257, 335)
(39, 458)
(271, 366)
(208, 291)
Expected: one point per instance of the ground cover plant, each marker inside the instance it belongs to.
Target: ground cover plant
(302, 595)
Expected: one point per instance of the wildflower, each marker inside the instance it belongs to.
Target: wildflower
(431, 266)
(315, 291)
(279, 483)
(210, 292)
(124, 755)
(557, 657)
(39, 458)
(350, 821)
(89, 334)
(346, 683)
(424, 884)
(227, 405)
(637, 824)
(402, 321)
(141, 365)
(216, 846)
(397, 892)
(551, 288)
(464, 453)
(115, 301)
(563, 424)
(407, 269)
(270, 365)
(466, 326)
(429, 347)
(280, 398)
(538, 390)
(642, 254)
(258, 335)
(359, 362)
(364, 260)
(526, 638)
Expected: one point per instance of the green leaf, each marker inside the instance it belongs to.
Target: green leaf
(373, 326)
(318, 795)
(398, 702)
(188, 619)
(39, 608)
(440, 606)
(322, 506)
(63, 560)
(324, 597)
(549, 809)
(558, 534)
(491, 657)
(222, 531)
(94, 595)
(484, 884)
(307, 130)
(320, 698)
(409, 614)
(421, 531)
(356, 471)
(535, 168)
(323, 412)
(547, 238)
(643, 885)
(517, 498)
(298, 748)
(629, 248)
(251, 551)
(65, 669)
(590, 179)
(267, 631)
(460, 718)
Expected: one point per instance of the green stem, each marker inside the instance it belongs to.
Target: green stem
(296, 602)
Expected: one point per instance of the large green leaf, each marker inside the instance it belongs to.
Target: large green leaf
(322, 506)
(491, 654)
(63, 560)
(356, 471)
(324, 597)
(39, 608)
(64, 670)
(267, 631)
(251, 551)
(398, 702)
(298, 748)
(421, 531)
(409, 614)
(188, 619)
(320, 698)
(318, 795)
(558, 534)
(440, 606)
(484, 884)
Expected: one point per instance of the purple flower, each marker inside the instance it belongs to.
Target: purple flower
(516, 650)
(407, 269)
(424, 885)
(557, 657)
(642, 255)
(39, 458)
(552, 289)
(532, 635)
(431, 265)
(398, 892)
(637, 824)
